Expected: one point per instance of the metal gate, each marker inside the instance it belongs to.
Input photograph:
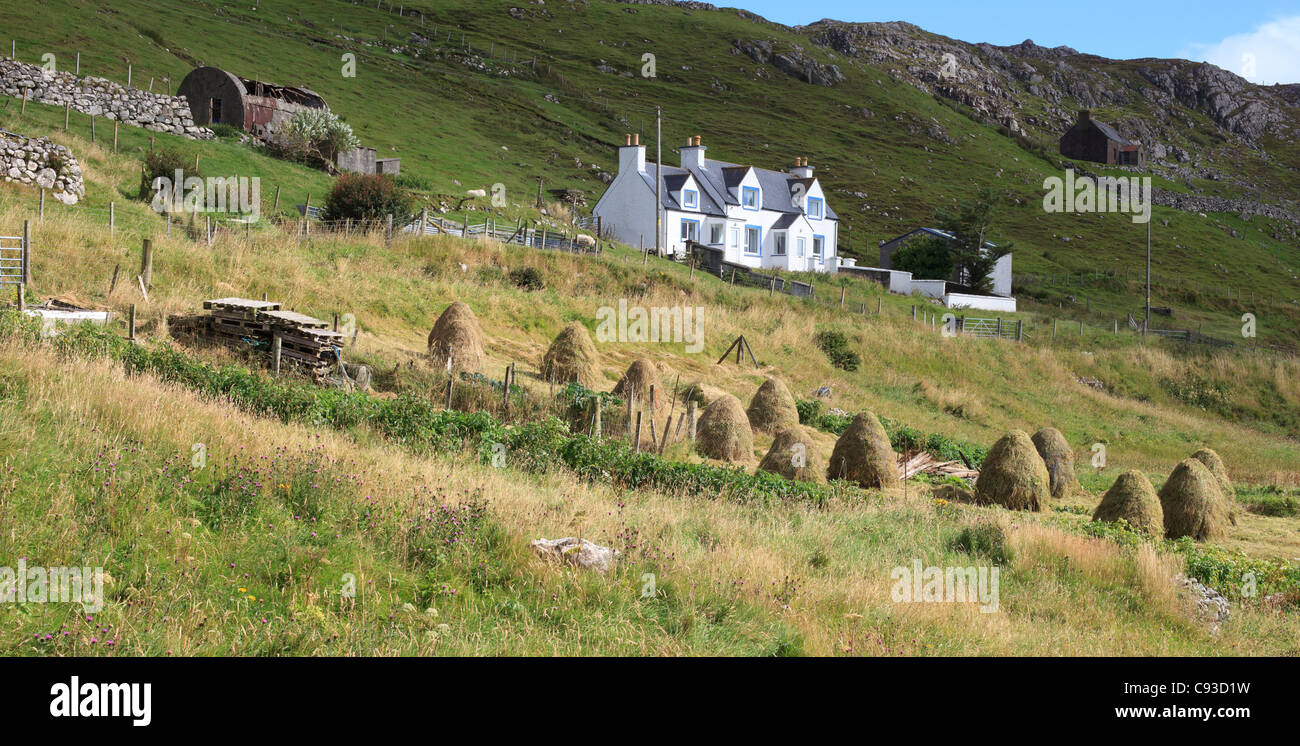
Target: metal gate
(13, 253)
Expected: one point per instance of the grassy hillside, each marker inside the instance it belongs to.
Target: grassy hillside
(247, 554)
(466, 114)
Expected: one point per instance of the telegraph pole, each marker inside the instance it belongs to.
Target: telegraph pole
(659, 180)
(1147, 322)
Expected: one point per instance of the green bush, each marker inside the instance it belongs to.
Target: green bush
(836, 347)
(526, 278)
(367, 197)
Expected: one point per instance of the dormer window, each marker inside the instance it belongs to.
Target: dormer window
(690, 198)
(749, 198)
(815, 208)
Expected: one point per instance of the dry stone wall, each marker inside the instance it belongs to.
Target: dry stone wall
(101, 98)
(40, 163)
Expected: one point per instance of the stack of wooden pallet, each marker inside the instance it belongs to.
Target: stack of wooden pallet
(240, 322)
(305, 340)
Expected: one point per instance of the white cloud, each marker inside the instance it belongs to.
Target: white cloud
(1269, 54)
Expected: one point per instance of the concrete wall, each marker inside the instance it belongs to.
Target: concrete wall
(930, 288)
(356, 161)
(980, 302)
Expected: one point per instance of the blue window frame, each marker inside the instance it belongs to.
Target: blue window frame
(749, 198)
(815, 208)
(754, 240)
(819, 248)
(690, 198)
(690, 230)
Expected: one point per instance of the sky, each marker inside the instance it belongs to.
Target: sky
(1257, 39)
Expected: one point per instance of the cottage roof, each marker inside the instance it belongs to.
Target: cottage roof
(720, 182)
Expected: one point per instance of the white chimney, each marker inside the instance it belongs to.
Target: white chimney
(631, 156)
(801, 169)
(693, 153)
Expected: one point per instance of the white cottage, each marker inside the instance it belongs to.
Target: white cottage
(758, 218)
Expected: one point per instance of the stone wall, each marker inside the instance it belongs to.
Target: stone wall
(40, 163)
(101, 98)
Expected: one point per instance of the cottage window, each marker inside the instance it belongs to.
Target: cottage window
(778, 243)
(817, 247)
(749, 197)
(690, 230)
(815, 208)
(735, 237)
(715, 234)
(801, 247)
(215, 114)
(690, 198)
(753, 239)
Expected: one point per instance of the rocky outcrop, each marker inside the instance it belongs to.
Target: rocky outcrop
(101, 98)
(1000, 84)
(1231, 101)
(42, 164)
(793, 62)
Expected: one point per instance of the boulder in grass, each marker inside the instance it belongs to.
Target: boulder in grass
(577, 552)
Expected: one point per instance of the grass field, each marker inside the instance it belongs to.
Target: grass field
(249, 553)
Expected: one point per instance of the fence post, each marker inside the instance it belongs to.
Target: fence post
(146, 263)
(388, 229)
(41, 211)
(130, 324)
(275, 354)
(1020, 329)
(112, 218)
(275, 206)
(690, 417)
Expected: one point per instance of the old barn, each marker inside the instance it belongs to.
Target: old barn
(1090, 140)
(261, 109)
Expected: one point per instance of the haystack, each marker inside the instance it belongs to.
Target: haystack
(723, 431)
(641, 375)
(772, 407)
(1193, 504)
(794, 455)
(1220, 471)
(1014, 475)
(863, 455)
(456, 336)
(572, 358)
(1132, 498)
(1059, 458)
(638, 379)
